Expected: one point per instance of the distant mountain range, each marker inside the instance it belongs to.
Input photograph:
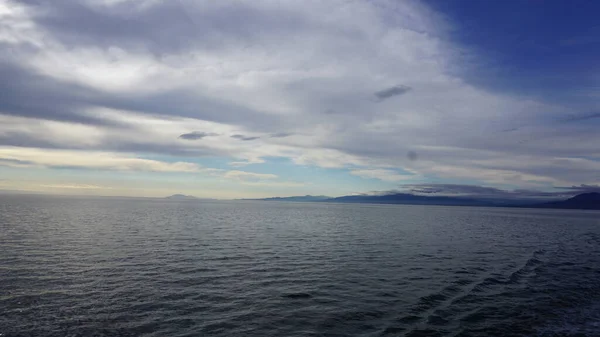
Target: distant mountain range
(301, 198)
(581, 201)
(410, 199)
(181, 197)
(398, 198)
(185, 197)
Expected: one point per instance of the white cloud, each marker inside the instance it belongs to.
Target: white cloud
(31, 157)
(54, 133)
(74, 186)
(328, 158)
(491, 176)
(249, 176)
(91, 160)
(382, 174)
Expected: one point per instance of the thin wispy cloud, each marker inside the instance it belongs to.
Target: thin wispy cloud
(583, 117)
(281, 134)
(381, 174)
(242, 137)
(75, 186)
(582, 188)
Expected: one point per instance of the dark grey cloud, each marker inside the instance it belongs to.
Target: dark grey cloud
(114, 144)
(25, 93)
(391, 92)
(164, 27)
(195, 135)
(242, 137)
(195, 105)
(141, 146)
(281, 134)
(15, 138)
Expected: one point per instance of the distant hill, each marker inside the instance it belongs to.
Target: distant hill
(580, 201)
(410, 199)
(181, 197)
(398, 198)
(303, 198)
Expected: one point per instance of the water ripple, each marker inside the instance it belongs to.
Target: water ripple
(144, 267)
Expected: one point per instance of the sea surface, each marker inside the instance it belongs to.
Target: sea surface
(149, 267)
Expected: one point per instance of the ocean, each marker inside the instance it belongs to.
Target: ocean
(77, 266)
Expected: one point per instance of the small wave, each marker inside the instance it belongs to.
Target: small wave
(425, 333)
(392, 330)
(410, 319)
(298, 295)
(437, 320)
(527, 270)
(579, 321)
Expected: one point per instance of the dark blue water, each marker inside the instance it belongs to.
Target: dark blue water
(143, 267)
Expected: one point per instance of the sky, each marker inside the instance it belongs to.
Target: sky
(247, 99)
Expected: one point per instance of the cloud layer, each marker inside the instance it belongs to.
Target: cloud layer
(358, 86)
(195, 135)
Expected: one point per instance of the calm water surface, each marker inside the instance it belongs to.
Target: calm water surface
(144, 267)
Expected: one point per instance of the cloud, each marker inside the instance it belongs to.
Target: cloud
(560, 119)
(582, 117)
(451, 189)
(55, 99)
(582, 188)
(246, 162)
(281, 134)
(9, 162)
(479, 191)
(490, 174)
(245, 138)
(91, 160)
(260, 179)
(166, 27)
(105, 161)
(195, 135)
(75, 186)
(381, 174)
(249, 176)
(124, 77)
(391, 92)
